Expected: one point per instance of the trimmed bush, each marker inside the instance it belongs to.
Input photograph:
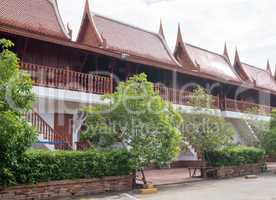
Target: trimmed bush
(235, 156)
(41, 166)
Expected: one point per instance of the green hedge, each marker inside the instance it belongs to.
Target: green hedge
(40, 166)
(235, 155)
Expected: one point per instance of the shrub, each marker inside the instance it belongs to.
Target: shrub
(234, 156)
(41, 166)
(16, 96)
(203, 128)
(137, 119)
(269, 137)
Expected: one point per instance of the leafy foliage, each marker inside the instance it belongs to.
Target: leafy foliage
(235, 155)
(16, 96)
(42, 166)
(136, 119)
(268, 141)
(256, 110)
(204, 128)
(260, 129)
(200, 99)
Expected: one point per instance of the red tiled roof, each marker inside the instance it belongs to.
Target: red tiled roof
(204, 62)
(138, 44)
(132, 40)
(262, 78)
(212, 64)
(35, 16)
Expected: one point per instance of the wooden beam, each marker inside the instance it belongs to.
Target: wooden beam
(26, 41)
(96, 62)
(84, 60)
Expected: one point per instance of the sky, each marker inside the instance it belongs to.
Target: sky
(248, 25)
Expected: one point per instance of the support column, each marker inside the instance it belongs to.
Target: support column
(78, 120)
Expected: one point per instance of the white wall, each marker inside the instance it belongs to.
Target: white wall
(51, 100)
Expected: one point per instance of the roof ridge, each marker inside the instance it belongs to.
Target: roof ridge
(168, 50)
(157, 35)
(212, 52)
(221, 56)
(180, 43)
(124, 23)
(55, 6)
(253, 66)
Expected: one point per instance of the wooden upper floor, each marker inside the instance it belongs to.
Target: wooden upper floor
(121, 50)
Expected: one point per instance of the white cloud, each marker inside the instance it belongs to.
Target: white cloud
(248, 24)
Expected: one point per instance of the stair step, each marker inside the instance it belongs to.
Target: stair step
(47, 133)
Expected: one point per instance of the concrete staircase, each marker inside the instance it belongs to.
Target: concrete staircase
(190, 154)
(244, 133)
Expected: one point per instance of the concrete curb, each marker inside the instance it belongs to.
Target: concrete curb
(166, 185)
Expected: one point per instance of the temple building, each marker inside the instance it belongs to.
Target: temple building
(69, 75)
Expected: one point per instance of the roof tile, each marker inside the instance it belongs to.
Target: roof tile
(36, 16)
(204, 62)
(212, 64)
(132, 40)
(262, 78)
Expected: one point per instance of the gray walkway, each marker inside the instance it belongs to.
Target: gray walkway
(263, 188)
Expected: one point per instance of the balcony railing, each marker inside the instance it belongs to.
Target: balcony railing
(180, 97)
(245, 106)
(67, 79)
(92, 83)
(50, 136)
(183, 98)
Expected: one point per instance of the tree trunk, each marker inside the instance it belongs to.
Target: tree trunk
(144, 177)
(204, 165)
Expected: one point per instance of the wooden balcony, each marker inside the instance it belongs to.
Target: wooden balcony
(183, 97)
(180, 97)
(245, 106)
(68, 79)
(92, 83)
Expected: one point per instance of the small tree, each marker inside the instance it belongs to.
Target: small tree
(255, 137)
(136, 119)
(204, 128)
(16, 96)
(268, 141)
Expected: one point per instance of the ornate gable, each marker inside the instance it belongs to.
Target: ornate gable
(239, 68)
(181, 54)
(268, 68)
(161, 30)
(88, 33)
(225, 53)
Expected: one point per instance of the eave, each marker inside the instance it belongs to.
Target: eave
(118, 55)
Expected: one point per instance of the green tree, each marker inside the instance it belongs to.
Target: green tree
(16, 97)
(259, 128)
(205, 129)
(137, 119)
(269, 139)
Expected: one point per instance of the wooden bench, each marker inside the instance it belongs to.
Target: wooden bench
(201, 167)
(204, 170)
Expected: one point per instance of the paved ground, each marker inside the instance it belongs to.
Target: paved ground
(169, 176)
(263, 188)
(271, 166)
(178, 175)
